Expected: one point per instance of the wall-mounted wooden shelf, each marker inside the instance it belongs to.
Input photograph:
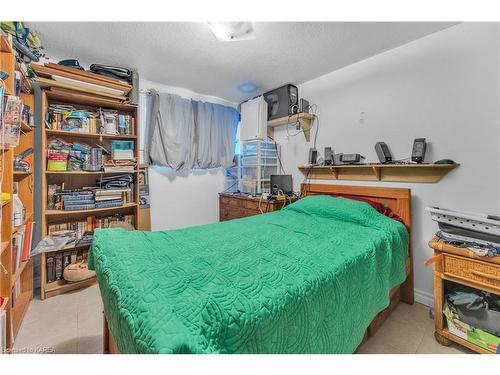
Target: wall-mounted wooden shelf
(305, 120)
(422, 173)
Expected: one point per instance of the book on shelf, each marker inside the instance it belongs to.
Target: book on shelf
(144, 196)
(55, 263)
(83, 228)
(109, 204)
(16, 292)
(58, 266)
(110, 167)
(28, 240)
(3, 331)
(109, 192)
(10, 127)
(22, 242)
(51, 270)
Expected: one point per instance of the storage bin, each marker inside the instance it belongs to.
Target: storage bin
(254, 187)
(252, 146)
(258, 172)
(467, 332)
(262, 153)
(122, 145)
(57, 165)
(254, 160)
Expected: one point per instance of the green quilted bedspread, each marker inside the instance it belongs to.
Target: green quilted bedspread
(306, 279)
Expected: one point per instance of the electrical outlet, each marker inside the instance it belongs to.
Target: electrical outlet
(362, 117)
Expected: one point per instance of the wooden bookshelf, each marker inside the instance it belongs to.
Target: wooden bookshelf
(78, 179)
(16, 285)
(59, 287)
(88, 212)
(85, 173)
(89, 135)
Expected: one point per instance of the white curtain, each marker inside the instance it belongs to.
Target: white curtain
(185, 134)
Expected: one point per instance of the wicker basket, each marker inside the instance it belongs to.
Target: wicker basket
(483, 273)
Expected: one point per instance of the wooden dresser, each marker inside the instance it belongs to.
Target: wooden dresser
(460, 266)
(233, 206)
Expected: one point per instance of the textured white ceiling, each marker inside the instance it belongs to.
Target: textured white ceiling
(187, 54)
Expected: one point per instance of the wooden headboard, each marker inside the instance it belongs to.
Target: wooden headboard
(397, 199)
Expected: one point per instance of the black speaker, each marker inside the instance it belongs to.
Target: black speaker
(304, 106)
(329, 160)
(313, 156)
(281, 102)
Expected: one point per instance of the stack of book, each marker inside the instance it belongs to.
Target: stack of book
(119, 166)
(78, 200)
(105, 198)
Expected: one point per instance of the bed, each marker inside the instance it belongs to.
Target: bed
(319, 276)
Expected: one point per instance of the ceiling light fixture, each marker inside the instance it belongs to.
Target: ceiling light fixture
(247, 87)
(232, 31)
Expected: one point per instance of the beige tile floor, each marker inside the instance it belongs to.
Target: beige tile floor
(72, 323)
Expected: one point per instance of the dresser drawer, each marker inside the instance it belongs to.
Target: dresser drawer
(233, 202)
(482, 273)
(233, 213)
(265, 206)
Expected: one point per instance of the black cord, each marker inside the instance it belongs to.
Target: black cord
(230, 187)
(277, 153)
(317, 130)
(306, 184)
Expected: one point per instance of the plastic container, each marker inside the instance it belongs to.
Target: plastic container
(254, 160)
(57, 165)
(258, 172)
(261, 152)
(254, 187)
(18, 210)
(254, 146)
(122, 145)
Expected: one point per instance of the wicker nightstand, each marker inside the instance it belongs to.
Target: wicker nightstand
(463, 267)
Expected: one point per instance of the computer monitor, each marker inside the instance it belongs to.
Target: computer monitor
(281, 182)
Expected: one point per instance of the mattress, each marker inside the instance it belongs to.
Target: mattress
(307, 279)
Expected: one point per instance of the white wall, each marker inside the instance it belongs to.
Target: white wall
(444, 87)
(181, 199)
